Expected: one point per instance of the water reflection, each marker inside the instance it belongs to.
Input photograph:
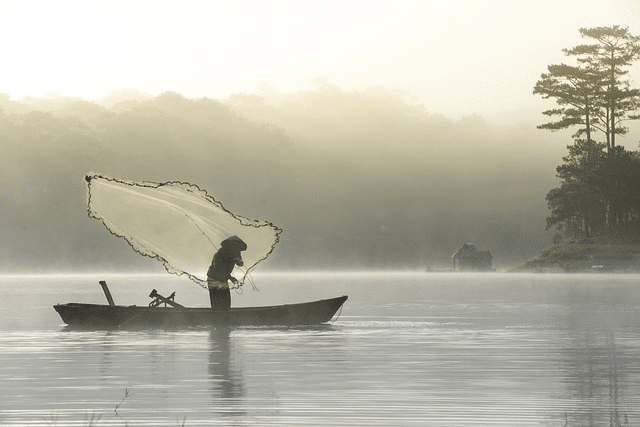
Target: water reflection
(106, 345)
(602, 375)
(225, 373)
(445, 350)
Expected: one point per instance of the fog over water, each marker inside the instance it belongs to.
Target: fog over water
(385, 144)
(355, 179)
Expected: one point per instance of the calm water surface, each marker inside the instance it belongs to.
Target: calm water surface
(410, 349)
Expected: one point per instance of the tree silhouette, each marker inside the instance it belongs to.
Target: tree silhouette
(594, 93)
(599, 191)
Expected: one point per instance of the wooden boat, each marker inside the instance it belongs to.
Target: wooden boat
(173, 314)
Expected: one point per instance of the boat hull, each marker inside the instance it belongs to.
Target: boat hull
(92, 315)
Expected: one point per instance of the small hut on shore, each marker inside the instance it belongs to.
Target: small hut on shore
(470, 258)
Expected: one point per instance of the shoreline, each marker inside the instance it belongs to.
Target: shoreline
(607, 255)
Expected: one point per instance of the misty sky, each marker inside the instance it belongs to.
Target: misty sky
(455, 57)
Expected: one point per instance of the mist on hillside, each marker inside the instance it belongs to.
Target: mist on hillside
(357, 180)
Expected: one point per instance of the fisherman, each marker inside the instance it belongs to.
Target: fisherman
(219, 273)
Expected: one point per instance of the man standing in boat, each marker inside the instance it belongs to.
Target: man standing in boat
(219, 273)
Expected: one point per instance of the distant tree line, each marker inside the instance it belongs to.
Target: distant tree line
(357, 179)
(599, 192)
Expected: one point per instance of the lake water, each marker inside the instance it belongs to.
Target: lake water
(408, 349)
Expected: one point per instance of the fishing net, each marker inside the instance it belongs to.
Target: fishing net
(176, 223)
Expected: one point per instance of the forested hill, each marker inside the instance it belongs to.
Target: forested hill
(355, 179)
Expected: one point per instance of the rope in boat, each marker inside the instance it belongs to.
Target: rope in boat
(338, 316)
(143, 312)
(247, 277)
(253, 285)
(134, 317)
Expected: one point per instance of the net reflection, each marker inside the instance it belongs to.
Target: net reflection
(225, 373)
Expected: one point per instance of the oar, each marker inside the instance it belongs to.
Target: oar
(107, 293)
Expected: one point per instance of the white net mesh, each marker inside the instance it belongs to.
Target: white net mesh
(177, 223)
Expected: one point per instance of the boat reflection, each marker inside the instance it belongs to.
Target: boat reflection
(225, 373)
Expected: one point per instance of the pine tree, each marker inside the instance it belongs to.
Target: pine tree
(604, 62)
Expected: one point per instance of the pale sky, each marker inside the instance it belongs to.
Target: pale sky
(456, 57)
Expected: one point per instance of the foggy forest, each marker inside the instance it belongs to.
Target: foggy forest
(356, 179)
